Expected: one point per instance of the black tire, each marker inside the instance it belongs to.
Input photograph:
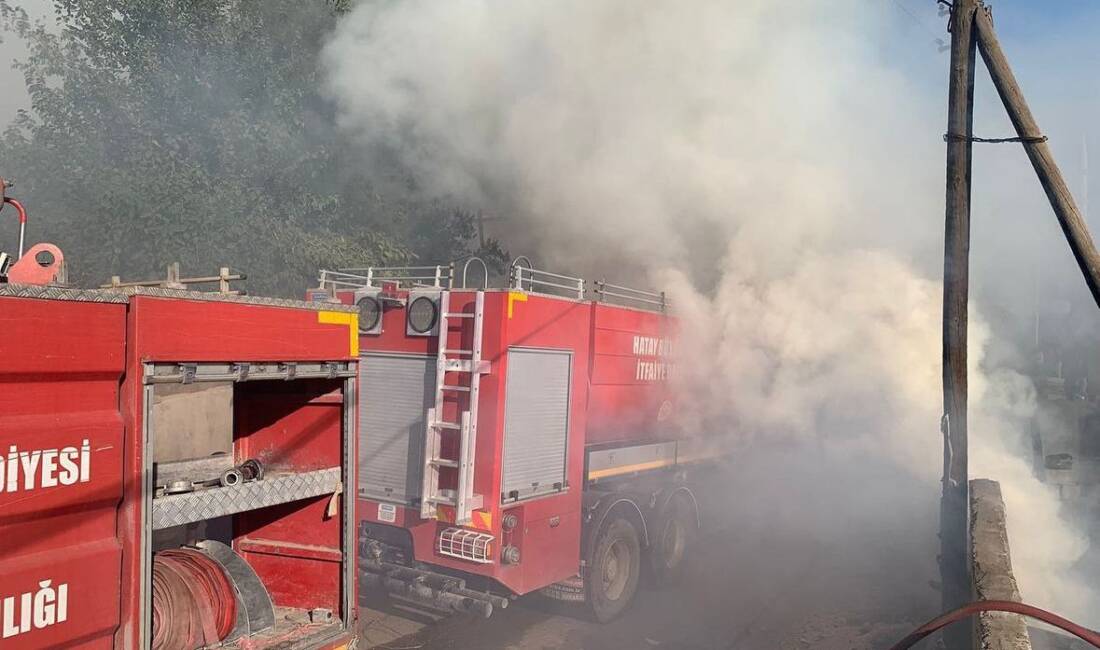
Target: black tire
(612, 577)
(671, 541)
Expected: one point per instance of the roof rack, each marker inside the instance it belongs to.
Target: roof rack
(632, 297)
(173, 280)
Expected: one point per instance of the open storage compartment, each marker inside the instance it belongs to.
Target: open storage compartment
(246, 466)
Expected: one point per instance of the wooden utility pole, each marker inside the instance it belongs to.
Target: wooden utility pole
(1035, 144)
(972, 29)
(954, 504)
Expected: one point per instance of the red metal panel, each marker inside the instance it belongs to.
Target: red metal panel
(130, 520)
(631, 363)
(294, 548)
(193, 330)
(562, 324)
(73, 592)
(290, 426)
(557, 536)
(61, 439)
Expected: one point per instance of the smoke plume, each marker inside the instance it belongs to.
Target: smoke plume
(774, 166)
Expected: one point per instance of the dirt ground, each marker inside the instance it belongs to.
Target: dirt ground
(776, 578)
(791, 611)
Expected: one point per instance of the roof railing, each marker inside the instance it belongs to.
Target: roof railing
(484, 271)
(632, 297)
(437, 277)
(528, 278)
(522, 276)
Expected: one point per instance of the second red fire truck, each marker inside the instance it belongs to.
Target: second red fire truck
(517, 439)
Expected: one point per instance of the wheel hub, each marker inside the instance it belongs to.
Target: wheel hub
(616, 571)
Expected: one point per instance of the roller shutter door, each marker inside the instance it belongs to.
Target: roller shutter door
(536, 423)
(395, 393)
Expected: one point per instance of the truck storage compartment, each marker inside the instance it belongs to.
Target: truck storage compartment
(245, 500)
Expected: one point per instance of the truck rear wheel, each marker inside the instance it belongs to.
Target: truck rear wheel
(674, 534)
(612, 576)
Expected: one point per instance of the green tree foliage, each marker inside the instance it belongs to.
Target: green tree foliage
(197, 131)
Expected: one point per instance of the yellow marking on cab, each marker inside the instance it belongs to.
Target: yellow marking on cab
(343, 318)
(627, 469)
(514, 297)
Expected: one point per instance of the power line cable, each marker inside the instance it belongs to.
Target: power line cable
(936, 38)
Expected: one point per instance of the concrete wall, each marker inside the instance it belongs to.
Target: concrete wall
(991, 570)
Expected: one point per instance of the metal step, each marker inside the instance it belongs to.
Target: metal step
(460, 389)
(461, 315)
(447, 425)
(465, 365)
(444, 462)
(447, 498)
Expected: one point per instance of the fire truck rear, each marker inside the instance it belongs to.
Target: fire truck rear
(515, 439)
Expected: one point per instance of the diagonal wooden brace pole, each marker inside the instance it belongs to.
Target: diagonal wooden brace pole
(1070, 218)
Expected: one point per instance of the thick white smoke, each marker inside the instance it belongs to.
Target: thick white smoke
(759, 161)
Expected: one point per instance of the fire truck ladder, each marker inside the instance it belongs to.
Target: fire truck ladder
(459, 362)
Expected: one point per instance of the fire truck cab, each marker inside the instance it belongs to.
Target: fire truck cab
(515, 439)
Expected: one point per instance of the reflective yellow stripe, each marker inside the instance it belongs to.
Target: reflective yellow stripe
(343, 318)
(479, 519)
(653, 464)
(626, 469)
(697, 457)
(514, 297)
(483, 520)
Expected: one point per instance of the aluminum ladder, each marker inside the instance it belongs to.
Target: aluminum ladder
(457, 362)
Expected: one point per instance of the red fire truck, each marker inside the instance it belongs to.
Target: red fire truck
(517, 439)
(172, 465)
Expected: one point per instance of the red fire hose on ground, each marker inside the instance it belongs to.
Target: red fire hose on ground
(967, 611)
(194, 605)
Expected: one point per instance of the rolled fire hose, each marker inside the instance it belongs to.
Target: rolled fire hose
(194, 604)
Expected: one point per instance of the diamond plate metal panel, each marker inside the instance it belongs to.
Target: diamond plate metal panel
(179, 509)
(122, 295)
(213, 296)
(61, 293)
